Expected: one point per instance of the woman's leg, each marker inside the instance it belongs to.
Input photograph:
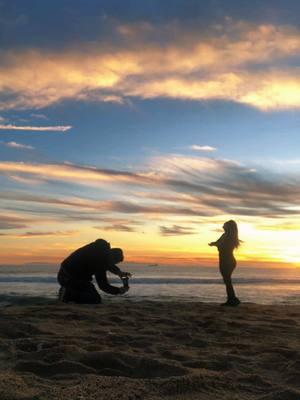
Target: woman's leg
(229, 286)
(226, 271)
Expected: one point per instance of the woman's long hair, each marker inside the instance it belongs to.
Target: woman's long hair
(232, 234)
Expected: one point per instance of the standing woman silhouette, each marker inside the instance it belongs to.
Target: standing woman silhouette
(227, 263)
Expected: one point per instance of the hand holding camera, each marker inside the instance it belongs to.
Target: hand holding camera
(123, 290)
(125, 279)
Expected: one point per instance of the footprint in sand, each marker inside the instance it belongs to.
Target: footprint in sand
(132, 366)
(44, 369)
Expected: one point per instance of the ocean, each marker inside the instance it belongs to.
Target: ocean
(168, 283)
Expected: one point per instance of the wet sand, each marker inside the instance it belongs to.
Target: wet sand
(149, 350)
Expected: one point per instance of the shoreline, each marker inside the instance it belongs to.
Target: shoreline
(149, 350)
(9, 300)
(25, 300)
(173, 284)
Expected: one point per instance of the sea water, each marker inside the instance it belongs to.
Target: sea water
(168, 283)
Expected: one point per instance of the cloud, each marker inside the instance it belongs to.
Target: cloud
(77, 174)
(119, 224)
(99, 208)
(58, 128)
(26, 179)
(20, 146)
(31, 198)
(176, 230)
(272, 90)
(39, 116)
(12, 222)
(234, 61)
(178, 186)
(41, 233)
(127, 207)
(227, 187)
(202, 148)
(119, 228)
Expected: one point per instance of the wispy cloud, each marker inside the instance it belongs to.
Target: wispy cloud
(176, 230)
(41, 234)
(13, 222)
(197, 147)
(119, 228)
(67, 172)
(180, 185)
(235, 61)
(39, 116)
(20, 146)
(58, 128)
(179, 197)
(119, 224)
(91, 210)
(26, 179)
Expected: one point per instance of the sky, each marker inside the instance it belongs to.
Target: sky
(149, 124)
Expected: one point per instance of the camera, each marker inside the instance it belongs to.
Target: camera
(125, 280)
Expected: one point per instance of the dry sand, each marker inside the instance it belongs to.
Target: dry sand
(149, 350)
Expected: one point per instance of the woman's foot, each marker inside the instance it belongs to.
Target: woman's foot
(232, 302)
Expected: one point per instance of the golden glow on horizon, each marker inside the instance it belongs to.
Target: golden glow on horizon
(259, 248)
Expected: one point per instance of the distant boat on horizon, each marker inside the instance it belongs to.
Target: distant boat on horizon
(152, 265)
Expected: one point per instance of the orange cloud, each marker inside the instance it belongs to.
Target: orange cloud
(196, 186)
(217, 64)
(266, 91)
(69, 173)
(189, 198)
(28, 235)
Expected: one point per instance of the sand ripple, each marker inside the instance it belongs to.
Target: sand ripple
(130, 351)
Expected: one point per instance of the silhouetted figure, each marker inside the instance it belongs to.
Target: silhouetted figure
(77, 271)
(227, 263)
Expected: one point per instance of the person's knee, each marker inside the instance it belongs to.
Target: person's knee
(95, 300)
(89, 296)
(87, 299)
(65, 294)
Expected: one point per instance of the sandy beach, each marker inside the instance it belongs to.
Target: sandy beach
(149, 350)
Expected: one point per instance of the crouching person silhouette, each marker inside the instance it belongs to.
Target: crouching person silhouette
(78, 269)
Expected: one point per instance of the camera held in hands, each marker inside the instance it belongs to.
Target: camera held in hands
(125, 280)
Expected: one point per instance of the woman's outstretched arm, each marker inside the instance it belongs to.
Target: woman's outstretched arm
(218, 242)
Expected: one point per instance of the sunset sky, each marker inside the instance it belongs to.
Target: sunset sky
(150, 123)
